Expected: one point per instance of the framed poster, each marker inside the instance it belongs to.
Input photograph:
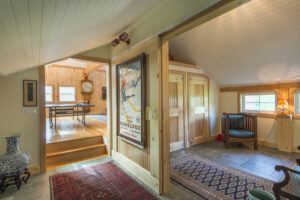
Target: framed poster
(29, 93)
(131, 91)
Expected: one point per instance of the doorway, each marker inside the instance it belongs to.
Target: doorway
(76, 109)
(198, 108)
(176, 110)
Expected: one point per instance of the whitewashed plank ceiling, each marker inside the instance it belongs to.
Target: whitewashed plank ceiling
(35, 32)
(258, 42)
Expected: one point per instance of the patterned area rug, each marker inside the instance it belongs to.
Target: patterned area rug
(104, 181)
(214, 181)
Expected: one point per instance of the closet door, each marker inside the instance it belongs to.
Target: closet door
(176, 111)
(197, 108)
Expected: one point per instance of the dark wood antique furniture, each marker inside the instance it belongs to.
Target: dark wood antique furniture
(289, 187)
(14, 179)
(239, 127)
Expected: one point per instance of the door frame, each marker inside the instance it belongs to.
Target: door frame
(42, 103)
(163, 64)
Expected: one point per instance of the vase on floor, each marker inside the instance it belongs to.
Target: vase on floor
(14, 160)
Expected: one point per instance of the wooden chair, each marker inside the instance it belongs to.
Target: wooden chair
(289, 187)
(239, 127)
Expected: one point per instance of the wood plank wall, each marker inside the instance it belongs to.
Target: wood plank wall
(144, 159)
(71, 76)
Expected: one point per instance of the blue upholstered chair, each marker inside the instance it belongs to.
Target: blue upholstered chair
(239, 128)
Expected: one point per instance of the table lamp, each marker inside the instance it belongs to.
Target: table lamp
(283, 107)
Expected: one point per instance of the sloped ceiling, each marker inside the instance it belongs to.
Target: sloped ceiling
(35, 32)
(258, 42)
(71, 62)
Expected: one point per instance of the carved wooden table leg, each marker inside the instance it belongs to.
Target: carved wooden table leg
(2, 185)
(27, 173)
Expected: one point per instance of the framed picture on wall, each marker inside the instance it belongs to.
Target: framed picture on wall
(29, 93)
(103, 93)
(131, 101)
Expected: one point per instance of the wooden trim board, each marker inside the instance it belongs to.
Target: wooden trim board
(260, 87)
(42, 118)
(210, 13)
(181, 64)
(164, 114)
(141, 173)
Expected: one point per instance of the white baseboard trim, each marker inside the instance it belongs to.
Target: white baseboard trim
(138, 171)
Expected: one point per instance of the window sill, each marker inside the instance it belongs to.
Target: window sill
(262, 114)
(296, 116)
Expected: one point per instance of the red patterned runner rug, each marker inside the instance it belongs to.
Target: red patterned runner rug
(103, 181)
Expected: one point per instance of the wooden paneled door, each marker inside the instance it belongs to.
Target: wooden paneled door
(197, 108)
(176, 111)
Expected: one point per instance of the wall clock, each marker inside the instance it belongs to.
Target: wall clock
(86, 87)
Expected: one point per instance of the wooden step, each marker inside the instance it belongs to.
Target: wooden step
(72, 155)
(54, 166)
(73, 144)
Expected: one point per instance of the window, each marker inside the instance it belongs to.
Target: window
(49, 93)
(264, 102)
(67, 94)
(297, 103)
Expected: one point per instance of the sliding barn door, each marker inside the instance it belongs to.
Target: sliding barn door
(176, 111)
(198, 108)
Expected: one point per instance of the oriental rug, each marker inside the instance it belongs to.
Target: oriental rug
(104, 181)
(214, 181)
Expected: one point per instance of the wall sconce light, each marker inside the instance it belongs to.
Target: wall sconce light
(283, 107)
(115, 42)
(123, 38)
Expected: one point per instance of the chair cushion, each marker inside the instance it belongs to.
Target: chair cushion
(236, 122)
(238, 133)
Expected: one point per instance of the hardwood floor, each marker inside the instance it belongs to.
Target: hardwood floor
(69, 129)
(71, 142)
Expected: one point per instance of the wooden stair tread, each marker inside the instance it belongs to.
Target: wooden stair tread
(74, 150)
(75, 139)
(49, 167)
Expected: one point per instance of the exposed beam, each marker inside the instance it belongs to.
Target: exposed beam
(210, 13)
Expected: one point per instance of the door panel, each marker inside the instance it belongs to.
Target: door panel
(176, 112)
(198, 108)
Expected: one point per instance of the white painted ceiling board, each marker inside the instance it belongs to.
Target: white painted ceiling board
(71, 62)
(258, 42)
(35, 32)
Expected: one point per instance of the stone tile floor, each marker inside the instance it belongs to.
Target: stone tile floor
(260, 163)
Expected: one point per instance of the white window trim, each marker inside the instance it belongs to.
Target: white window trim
(242, 100)
(59, 93)
(296, 105)
(52, 99)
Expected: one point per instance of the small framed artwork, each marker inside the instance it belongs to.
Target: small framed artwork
(103, 93)
(29, 93)
(131, 101)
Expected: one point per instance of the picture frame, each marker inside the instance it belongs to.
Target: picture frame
(131, 101)
(103, 90)
(29, 93)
